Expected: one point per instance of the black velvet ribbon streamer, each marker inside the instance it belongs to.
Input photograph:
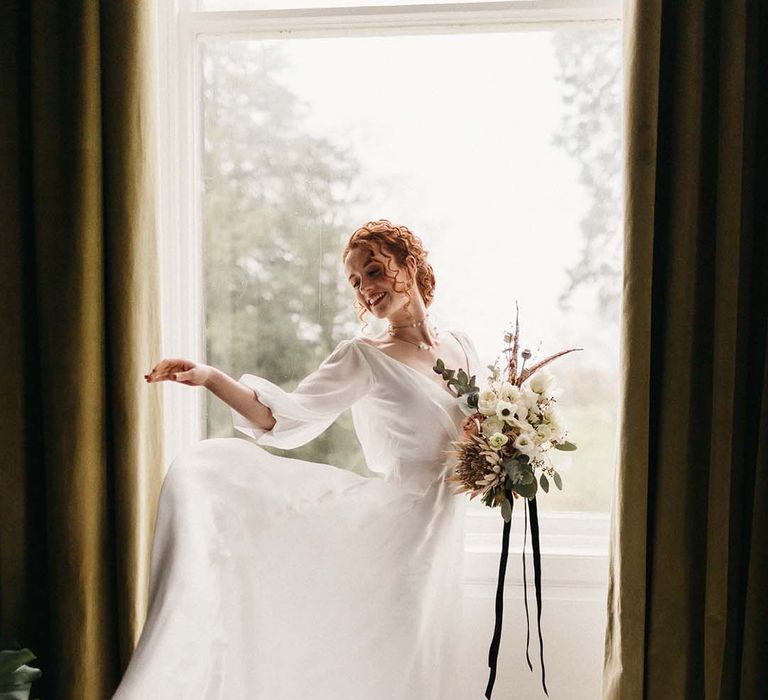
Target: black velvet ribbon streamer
(533, 514)
(493, 653)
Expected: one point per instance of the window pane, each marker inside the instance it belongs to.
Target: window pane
(501, 151)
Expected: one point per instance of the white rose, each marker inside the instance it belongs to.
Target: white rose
(498, 440)
(542, 381)
(486, 402)
(491, 425)
(509, 392)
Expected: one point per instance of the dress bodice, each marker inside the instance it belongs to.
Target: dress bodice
(405, 421)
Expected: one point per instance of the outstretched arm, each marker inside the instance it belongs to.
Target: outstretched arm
(300, 415)
(235, 394)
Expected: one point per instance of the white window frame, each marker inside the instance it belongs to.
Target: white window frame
(179, 27)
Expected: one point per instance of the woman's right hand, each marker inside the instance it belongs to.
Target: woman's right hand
(181, 371)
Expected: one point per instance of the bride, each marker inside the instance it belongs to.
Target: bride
(275, 578)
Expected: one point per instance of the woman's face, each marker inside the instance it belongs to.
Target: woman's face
(367, 273)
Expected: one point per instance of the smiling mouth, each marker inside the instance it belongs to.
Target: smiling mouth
(376, 299)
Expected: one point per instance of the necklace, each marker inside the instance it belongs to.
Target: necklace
(411, 325)
(421, 345)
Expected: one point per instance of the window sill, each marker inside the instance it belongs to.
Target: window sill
(574, 554)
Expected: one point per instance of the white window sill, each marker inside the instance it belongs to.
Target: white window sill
(574, 554)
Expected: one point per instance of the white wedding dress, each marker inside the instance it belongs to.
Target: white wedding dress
(275, 578)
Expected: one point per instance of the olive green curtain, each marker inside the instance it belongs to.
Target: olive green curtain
(79, 313)
(687, 603)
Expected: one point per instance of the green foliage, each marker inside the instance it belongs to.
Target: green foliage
(565, 446)
(275, 201)
(459, 381)
(506, 510)
(521, 476)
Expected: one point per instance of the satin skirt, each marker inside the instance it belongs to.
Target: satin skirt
(274, 578)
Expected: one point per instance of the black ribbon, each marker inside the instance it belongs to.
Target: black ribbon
(493, 653)
(525, 591)
(533, 514)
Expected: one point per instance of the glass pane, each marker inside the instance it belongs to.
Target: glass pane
(501, 151)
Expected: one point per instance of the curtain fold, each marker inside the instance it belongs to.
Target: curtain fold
(81, 434)
(687, 613)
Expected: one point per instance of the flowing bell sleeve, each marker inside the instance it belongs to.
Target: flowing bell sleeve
(342, 378)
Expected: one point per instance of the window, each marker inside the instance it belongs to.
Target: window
(489, 129)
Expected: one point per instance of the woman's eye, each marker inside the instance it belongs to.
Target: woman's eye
(373, 272)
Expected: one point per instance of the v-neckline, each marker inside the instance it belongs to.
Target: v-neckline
(408, 367)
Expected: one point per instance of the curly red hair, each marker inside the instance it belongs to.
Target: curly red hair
(399, 244)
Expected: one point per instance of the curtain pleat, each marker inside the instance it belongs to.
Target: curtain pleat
(81, 435)
(685, 619)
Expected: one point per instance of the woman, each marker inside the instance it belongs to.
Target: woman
(282, 579)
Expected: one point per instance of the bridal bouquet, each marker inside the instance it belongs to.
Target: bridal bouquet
(510, 429)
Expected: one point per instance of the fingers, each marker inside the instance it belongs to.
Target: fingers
(165, 369)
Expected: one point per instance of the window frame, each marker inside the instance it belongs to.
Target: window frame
(180, 27)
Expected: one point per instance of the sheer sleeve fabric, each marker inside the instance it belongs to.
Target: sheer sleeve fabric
(343, 378)
(474, 358)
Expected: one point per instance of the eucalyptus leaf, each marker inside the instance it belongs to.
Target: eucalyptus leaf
(462, 375)
(506, 510)
(565, 446)
(544, 483)
(512, 466)
(528, 489)
(558, 480)
(472, 399)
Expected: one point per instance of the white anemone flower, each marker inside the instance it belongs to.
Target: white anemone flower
(506, 410)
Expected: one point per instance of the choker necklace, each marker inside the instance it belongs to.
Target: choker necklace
(421, 345)
(411, 325)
